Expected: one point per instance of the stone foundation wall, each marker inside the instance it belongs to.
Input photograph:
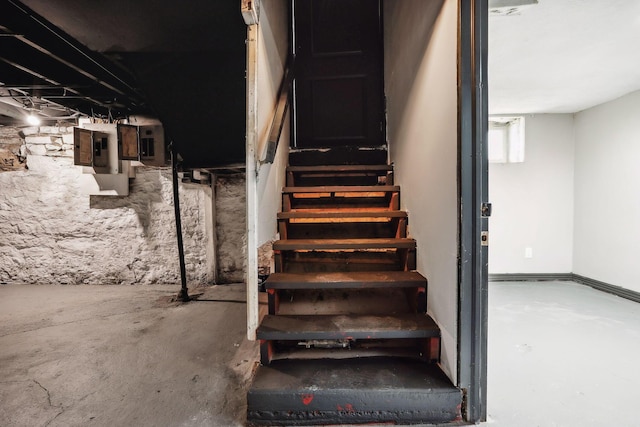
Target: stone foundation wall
(51, 233)
(231, 227)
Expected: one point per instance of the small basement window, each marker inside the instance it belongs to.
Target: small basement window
(506, 139)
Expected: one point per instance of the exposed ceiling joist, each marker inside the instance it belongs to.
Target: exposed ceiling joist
(39, 60)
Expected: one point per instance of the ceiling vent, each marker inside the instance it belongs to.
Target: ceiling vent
(509, 7)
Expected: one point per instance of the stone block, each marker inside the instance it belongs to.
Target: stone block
(30, 130)
(38, 140)
(67, 138)
(50, 129)
(36, 150)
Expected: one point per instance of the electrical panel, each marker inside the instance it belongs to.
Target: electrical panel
(101, 152)
(95, 147)
(96, 150)
(144, 144)
(128, 148)
(83, 147)
(109, 154)
(153, 151)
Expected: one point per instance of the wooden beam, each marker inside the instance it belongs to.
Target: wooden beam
(252, 182)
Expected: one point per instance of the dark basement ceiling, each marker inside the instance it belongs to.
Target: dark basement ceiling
(183, 62)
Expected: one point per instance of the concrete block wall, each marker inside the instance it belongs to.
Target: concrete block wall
(51, 233)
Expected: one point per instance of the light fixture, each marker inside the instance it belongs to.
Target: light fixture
(33, 120)
(33, 106)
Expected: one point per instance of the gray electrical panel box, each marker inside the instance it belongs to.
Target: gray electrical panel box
(144, 143)
(92, 148)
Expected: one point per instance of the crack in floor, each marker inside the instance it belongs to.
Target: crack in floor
(46, 391)
(61, 408)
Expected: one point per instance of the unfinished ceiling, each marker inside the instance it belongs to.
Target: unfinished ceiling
(45, 72)
(182, 62)
(563, 56)
(185, 61)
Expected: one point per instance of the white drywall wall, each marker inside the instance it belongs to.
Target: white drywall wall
(607, 192)
(273, 48)
(421, 87)
(533, 201)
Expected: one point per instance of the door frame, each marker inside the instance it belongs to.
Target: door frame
(473, 192)
(472, 189)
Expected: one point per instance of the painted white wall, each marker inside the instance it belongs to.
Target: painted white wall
(53, 233)
(607, 192)
(273, 48)
(533, 201)
(421, 87)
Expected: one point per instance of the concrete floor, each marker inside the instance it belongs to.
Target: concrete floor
(560, 354)
(122, 356)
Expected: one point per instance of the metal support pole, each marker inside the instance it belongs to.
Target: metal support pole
(183, 295)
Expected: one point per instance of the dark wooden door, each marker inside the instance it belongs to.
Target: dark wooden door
(339, 94)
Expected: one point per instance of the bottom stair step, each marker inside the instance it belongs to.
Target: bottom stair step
(352, 391)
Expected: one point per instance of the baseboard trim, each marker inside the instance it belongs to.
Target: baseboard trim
(526, 277)
(608, 288)
(541, 277)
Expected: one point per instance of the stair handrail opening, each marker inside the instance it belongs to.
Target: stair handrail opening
(280, 113)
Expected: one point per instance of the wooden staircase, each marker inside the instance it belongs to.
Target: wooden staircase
(347, 338)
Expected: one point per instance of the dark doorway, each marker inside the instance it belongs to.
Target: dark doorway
(339, 92)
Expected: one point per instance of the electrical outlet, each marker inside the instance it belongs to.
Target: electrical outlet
(528, 252)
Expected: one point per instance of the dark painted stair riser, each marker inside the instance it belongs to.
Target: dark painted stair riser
(349, 155)
(346, 329)
(361, 197)
(324, 255)
(339, 175)
(414, 284)
(342, 224)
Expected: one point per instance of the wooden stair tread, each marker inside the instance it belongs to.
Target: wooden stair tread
(342, 189)
(318, 244)
(329, 327)
(342, 214)
(340, 168)
(346, 280)
(337, 208)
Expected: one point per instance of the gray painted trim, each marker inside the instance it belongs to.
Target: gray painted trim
(606, 287)
(595, 284)
(525, 277)
(472, 187)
